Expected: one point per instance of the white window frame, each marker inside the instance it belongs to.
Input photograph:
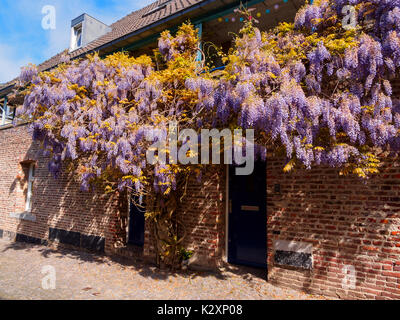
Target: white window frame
(4, 112)
(31, 179)
(74, 36)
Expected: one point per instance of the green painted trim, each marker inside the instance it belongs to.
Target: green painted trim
(224, 11)
(199, 27)
(142, 42)
(200, 20)
(7, 89)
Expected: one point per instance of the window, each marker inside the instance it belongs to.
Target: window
(161, 6)
(7, 113)
(31, 177)
(76, 37)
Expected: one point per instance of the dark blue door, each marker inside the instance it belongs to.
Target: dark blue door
(247, 242)
(136, 224)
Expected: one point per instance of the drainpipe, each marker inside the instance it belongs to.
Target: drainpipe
(5, 109)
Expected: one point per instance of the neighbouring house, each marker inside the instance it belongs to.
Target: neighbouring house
(312, 230)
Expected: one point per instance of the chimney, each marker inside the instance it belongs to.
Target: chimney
(85, 29)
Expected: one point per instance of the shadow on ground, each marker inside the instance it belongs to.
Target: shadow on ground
(143, 268)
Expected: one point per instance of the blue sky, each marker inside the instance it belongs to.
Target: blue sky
(23, 40)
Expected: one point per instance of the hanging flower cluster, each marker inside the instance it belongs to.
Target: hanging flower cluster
(316, 90)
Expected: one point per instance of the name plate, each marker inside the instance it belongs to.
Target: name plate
(250, 208)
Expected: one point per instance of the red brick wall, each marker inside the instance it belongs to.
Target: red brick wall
(348, 222)
(203, 214)
(56, 203)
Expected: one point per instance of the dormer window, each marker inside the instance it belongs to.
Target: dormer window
(85, 29)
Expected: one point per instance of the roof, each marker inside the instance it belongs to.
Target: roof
(135, 22)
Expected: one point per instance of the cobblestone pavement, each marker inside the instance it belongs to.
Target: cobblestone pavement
(81, 276)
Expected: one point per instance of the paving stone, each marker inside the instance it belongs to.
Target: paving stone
(86, 276)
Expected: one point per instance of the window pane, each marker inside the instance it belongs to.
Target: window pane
(78, 35)
(31, 175)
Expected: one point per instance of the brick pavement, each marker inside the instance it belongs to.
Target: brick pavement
(83, 276)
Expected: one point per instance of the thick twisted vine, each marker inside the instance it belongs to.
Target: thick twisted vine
(168, 229)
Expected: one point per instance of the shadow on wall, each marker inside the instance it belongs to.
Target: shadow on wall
(353, 226)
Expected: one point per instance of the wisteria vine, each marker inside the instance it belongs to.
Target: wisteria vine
(315, 91)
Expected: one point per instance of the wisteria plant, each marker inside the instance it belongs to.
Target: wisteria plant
(315, 90)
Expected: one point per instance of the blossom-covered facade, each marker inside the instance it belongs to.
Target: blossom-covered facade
(323, 227)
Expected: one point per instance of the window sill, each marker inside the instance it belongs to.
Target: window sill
(10, 125)
(6, 126)
(24, 216)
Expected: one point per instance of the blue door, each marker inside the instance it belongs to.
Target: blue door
(136, 224)
(247, 238)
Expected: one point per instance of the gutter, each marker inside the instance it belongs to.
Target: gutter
(6, 90)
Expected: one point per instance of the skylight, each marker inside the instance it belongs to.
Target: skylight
(161, 6)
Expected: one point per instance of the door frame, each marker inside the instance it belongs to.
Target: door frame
(226, 254)
(227, 213)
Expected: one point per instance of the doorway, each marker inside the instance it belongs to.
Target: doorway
(136, 222)
(247, 217)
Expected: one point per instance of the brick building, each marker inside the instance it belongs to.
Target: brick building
(312, 230)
